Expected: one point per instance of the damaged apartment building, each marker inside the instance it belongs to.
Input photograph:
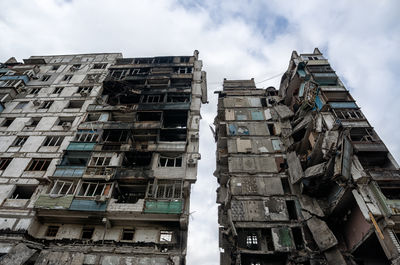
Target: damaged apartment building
(303, 176)
(97, 156)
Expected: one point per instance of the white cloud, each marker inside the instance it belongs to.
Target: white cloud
(236, 39)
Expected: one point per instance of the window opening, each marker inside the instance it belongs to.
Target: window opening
(58, 90)
(291, 207)
(23, 192)
(38, 165)
(7, 122)
(63, 188)
(4, 162)
(52, 230)
(165, 161)
(87, 232)
(67, 78)
(45, 78)
(53, 140)
(20, 141)
(46, 105)
(127, 234)
(165, 236)
(34, 91)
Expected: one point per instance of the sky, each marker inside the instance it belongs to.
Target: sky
(236, 40)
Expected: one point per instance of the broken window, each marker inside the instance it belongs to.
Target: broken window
(87, 233)
(32, 124)
(153, 98)
(86, 136)
(252, 241)
(175, 119)
(165, 236)
(130, 193)
(163, 59)
(137, 159)
(53, 140)
(99, 66)
(127, 234)
(298, 238)
(7, 122)
(23, 192)
(75, 159)
(62, 188)
(45, 78)
(184, 59)
(75, 104)
(67, 78)
(119, 136)
(65, 121)
(178, 98)
(143, 60)
(100, 161)
(4, 162)
(19, 141)
(165, 189)
(85, 90)
(52, 230)
(46, 105)
(93, 78)
(285, 185)
(181, 83)
(291, 208)
(390, 191)
(55, 67)
(119, 73)
(140, 71)
(183, 70)
(165, 161)
(173, 135)
(267, 234)
(38, 164)
(75, 67)
(271, 128)
(149, 116)
(58, 90)
(363, 135)
(21, 105)
(91, 189)
(348, 114)
(34, 91)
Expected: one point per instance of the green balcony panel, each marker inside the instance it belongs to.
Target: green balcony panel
(49, 202)
(81, 146)
(168, 207)
(88, 205)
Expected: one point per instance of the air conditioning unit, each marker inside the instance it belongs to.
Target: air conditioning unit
(36, 103)
(84, 93)
(66, 125)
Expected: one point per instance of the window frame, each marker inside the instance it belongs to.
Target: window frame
(96, 184)
(46, 163)
(53, 140)
(19, 141)
(167, 162)
(70, 191)
(5, 162)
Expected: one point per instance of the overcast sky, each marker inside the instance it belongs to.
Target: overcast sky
(236, 40)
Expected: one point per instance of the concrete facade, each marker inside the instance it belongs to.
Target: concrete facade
(98, 153)
(304, 178)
